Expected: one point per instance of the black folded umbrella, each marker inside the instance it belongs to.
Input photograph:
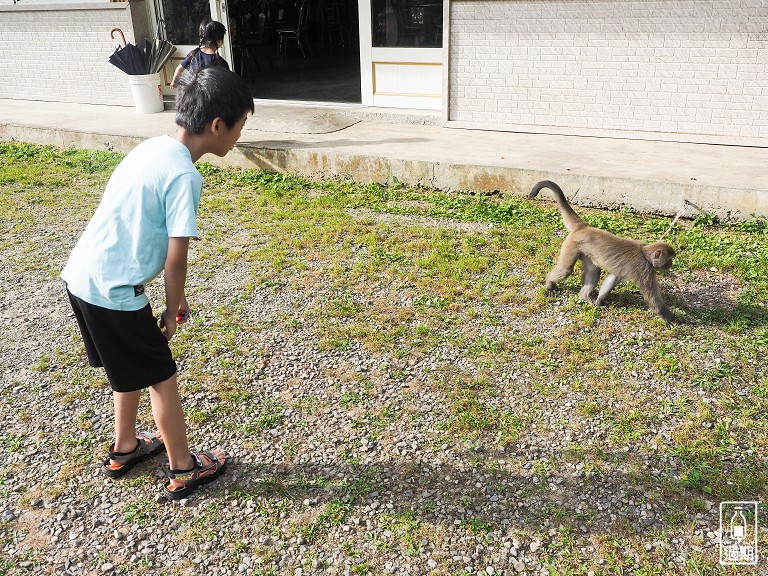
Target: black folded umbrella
(133, 60)
(129, 58)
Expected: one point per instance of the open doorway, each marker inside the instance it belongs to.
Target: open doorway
(297, 49)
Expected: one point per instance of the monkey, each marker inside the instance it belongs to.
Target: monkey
(598, 249)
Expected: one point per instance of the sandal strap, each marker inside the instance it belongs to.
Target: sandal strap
(123, 457)
(146, 437)
(143, 441)
(208, 454)
(198, 469)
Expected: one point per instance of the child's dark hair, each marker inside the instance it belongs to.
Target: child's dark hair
(211, 93)
(201, 28)
(211, 32)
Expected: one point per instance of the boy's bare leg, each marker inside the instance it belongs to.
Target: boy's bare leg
(126, 408)
(169, 417)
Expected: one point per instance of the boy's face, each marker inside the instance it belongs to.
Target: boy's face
(226, 136)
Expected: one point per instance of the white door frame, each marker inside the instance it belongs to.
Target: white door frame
(220, 12)
(398, 77)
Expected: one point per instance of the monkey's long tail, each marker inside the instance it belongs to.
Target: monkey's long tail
(571, 219)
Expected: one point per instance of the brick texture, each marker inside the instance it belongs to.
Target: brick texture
(683, 70)
(60, 53)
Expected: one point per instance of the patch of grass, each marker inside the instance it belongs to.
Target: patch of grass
(13, 442)
(714, 378)
(264, 412)
(139, 512)
(335, 513)
(405, 528)
(477, 526)
(42, 364)
(629, 425)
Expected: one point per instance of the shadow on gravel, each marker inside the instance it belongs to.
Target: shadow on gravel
(704, 301)
(485, 495)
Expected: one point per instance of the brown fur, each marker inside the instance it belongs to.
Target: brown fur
(598, 249)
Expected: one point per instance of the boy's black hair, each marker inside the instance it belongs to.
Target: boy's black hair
(211, 93)
(211, 32)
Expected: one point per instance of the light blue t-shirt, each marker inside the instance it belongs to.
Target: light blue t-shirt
(152, 195)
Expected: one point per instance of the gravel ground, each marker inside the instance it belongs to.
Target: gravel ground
(342, 461)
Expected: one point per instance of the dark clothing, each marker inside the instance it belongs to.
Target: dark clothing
(197, 60)
(129, 345)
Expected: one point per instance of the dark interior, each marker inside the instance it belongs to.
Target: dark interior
(297, 50)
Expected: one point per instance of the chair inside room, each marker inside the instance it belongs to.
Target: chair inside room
(333, 23)
(253, 37)
(299, 32)
(353, 22)
(409, 27)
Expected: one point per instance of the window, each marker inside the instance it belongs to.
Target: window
(182, 20)
(407, 23)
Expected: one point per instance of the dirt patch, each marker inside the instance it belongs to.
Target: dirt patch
(706, 290)
(413, 220)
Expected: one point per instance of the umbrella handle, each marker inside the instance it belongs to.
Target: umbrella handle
(112, 34)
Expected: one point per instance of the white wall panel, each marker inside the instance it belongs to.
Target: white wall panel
(669, 69)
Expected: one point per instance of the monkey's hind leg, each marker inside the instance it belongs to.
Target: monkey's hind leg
(605, 288)
(564, 267)
(589, 279)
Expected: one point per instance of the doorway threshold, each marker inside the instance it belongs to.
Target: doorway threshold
(354, 111)
(359, 112)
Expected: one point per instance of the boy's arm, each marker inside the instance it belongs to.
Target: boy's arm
(175, 276)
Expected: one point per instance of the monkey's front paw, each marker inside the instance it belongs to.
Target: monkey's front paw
(670, 319)
(551, 290)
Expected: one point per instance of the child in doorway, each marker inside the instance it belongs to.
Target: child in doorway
(206, 54)
(142, 227)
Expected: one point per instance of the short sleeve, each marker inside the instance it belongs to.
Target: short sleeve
(181, 201)
(187, 62)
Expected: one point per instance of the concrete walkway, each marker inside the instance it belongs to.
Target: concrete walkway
(380, 145)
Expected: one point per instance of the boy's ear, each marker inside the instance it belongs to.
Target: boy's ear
(216, 125)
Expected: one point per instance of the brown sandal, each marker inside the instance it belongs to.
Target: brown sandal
(194, 477)
(148, 445)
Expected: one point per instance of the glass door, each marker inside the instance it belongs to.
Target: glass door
(401, 53)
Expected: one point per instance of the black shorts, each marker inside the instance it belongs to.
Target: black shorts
(129, 345)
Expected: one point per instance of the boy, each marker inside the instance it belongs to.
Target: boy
(142, 227)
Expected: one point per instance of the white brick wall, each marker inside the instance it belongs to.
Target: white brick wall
(59, 53)
(670, 69)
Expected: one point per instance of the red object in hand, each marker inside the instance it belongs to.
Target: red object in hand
(182, 317)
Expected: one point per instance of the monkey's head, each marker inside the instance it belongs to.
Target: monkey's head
(659, 254)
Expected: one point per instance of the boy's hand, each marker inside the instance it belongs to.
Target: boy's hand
(167, 324)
